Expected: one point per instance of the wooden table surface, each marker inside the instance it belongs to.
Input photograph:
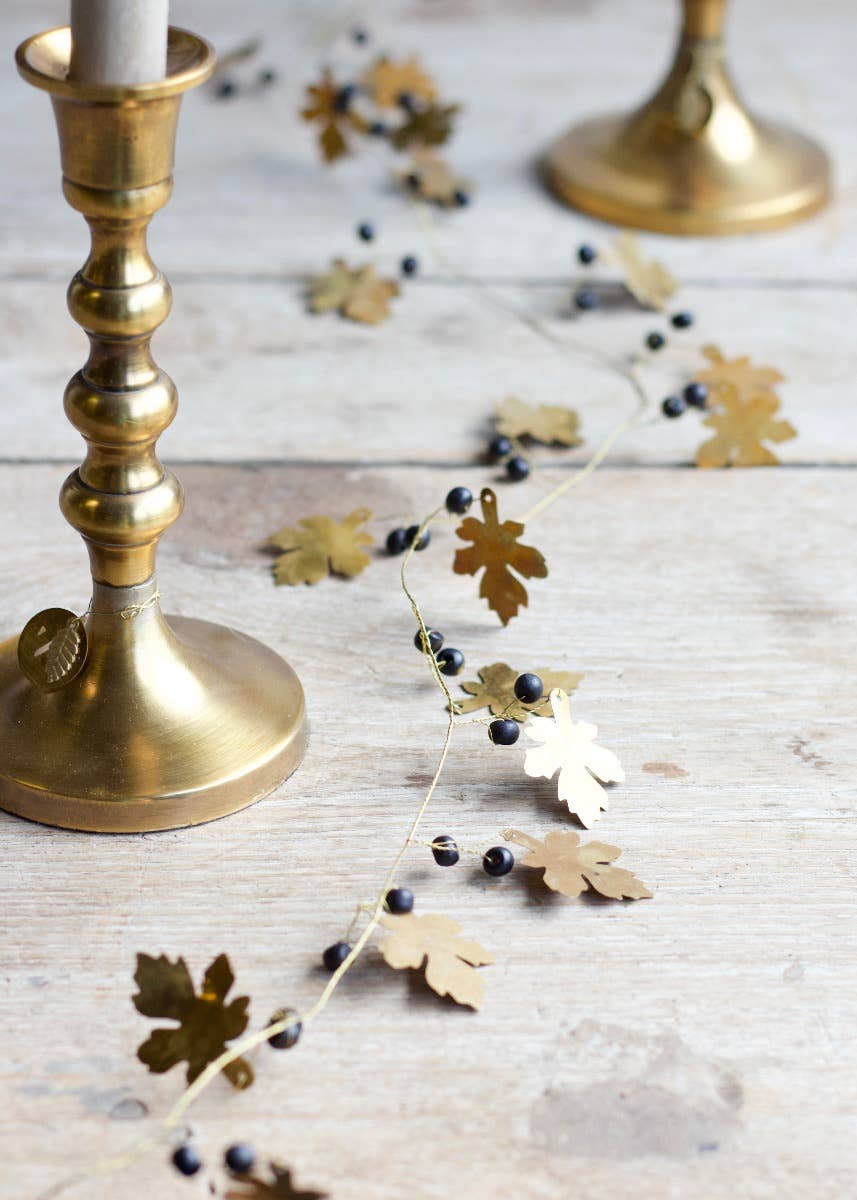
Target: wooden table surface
(700, 1044)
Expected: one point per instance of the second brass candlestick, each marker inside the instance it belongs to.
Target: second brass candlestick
(692, 160)
(137, 722)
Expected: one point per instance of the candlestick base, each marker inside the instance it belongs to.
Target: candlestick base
(170, 723)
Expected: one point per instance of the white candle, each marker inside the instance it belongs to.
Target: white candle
(118, 41)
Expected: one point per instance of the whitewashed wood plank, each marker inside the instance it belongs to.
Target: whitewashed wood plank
(699, 1043)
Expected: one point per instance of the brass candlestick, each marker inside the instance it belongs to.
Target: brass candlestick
(692, 160)
(163, 722)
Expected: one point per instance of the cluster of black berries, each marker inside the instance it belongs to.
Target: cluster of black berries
(458, 501)
(695, 395)
(409, 265)
(227, 87)
(239, 1159)
(529, 689)
(496, 861)
(449, 660)
(586, 298)
(500, 450)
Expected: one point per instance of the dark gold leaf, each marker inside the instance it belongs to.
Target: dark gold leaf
(322, 107)
(429, 126)
(386, 81)
(496, 549)
(205, 1022)
(547, 423)
(320, 546)
(569, 867)
(743, 403)
(357, 293)
(496, 691)
(432, 941)
(279, 1187)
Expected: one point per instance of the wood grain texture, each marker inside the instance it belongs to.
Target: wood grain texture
(699, 1044)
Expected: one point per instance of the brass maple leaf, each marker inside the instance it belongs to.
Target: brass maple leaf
(569, 747)
(449, 960)
(497, 549)
(386, 81)
(548, 423)
(280, 1187)
(323, 105)
(496, 691)
(205, 1022)
(429, 126)
(431, 178)
(569, 867)
(357, 293)
(744, 402)
(648, 281)
(320, 546)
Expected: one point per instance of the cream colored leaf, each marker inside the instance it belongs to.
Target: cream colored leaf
(570, 867)
(648, 281)
(569, 747)
(386, 81)
(548, 423)
(496, 691)
(432, 941)
(357, 293)
(320, 546)
(431, 178)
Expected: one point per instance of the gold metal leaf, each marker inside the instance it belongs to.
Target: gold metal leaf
(320, 546)
(743, 403)
(279, 1187)
(496, 691)
(429, 126)
(205, 1022)
(386, 81)
(431, 178)
(322, 107)
(548, 423)
(569, 747)
(648, 281)
(432, 941)
(569, 867)
(52, 648)
(357, 293)
(496, 549)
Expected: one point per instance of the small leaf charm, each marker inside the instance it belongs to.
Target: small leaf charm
(52, 648)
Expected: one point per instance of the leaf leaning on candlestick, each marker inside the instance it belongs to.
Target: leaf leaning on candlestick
(61, 656)
(547, 423)
(743, 403)
(205, 1023)
(432, 941)
(319, 546)
(569, 867)
(429, 126)
(496, 691)
(279, 1187)
(568, 747)
(335, 119)
(648, 281)
(496, 549)
(386, 81)
(357, 293)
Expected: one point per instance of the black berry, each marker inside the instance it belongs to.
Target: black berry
(226, 88)
(681, 320)
(411, 534)
(504, 732)
(344, 96)
(413, 180)
(397, 541)
(585, 299)
(288, 1037)
(366, 232)
(186, 1160)
(335, 955)
(240, 1158)
(497, 861)
(378, 129)
(517, 468)
(435, 640)
(267, 76)
(445, 850)
(406, 101)
(458, 501)
(450, 661)
(673, 406)
(696, 394)
(359, 36)
(655, 341)
(499, 447)
(586, 254)
(400, 900)
(529, 688)
(461, 198)
(409, 265)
